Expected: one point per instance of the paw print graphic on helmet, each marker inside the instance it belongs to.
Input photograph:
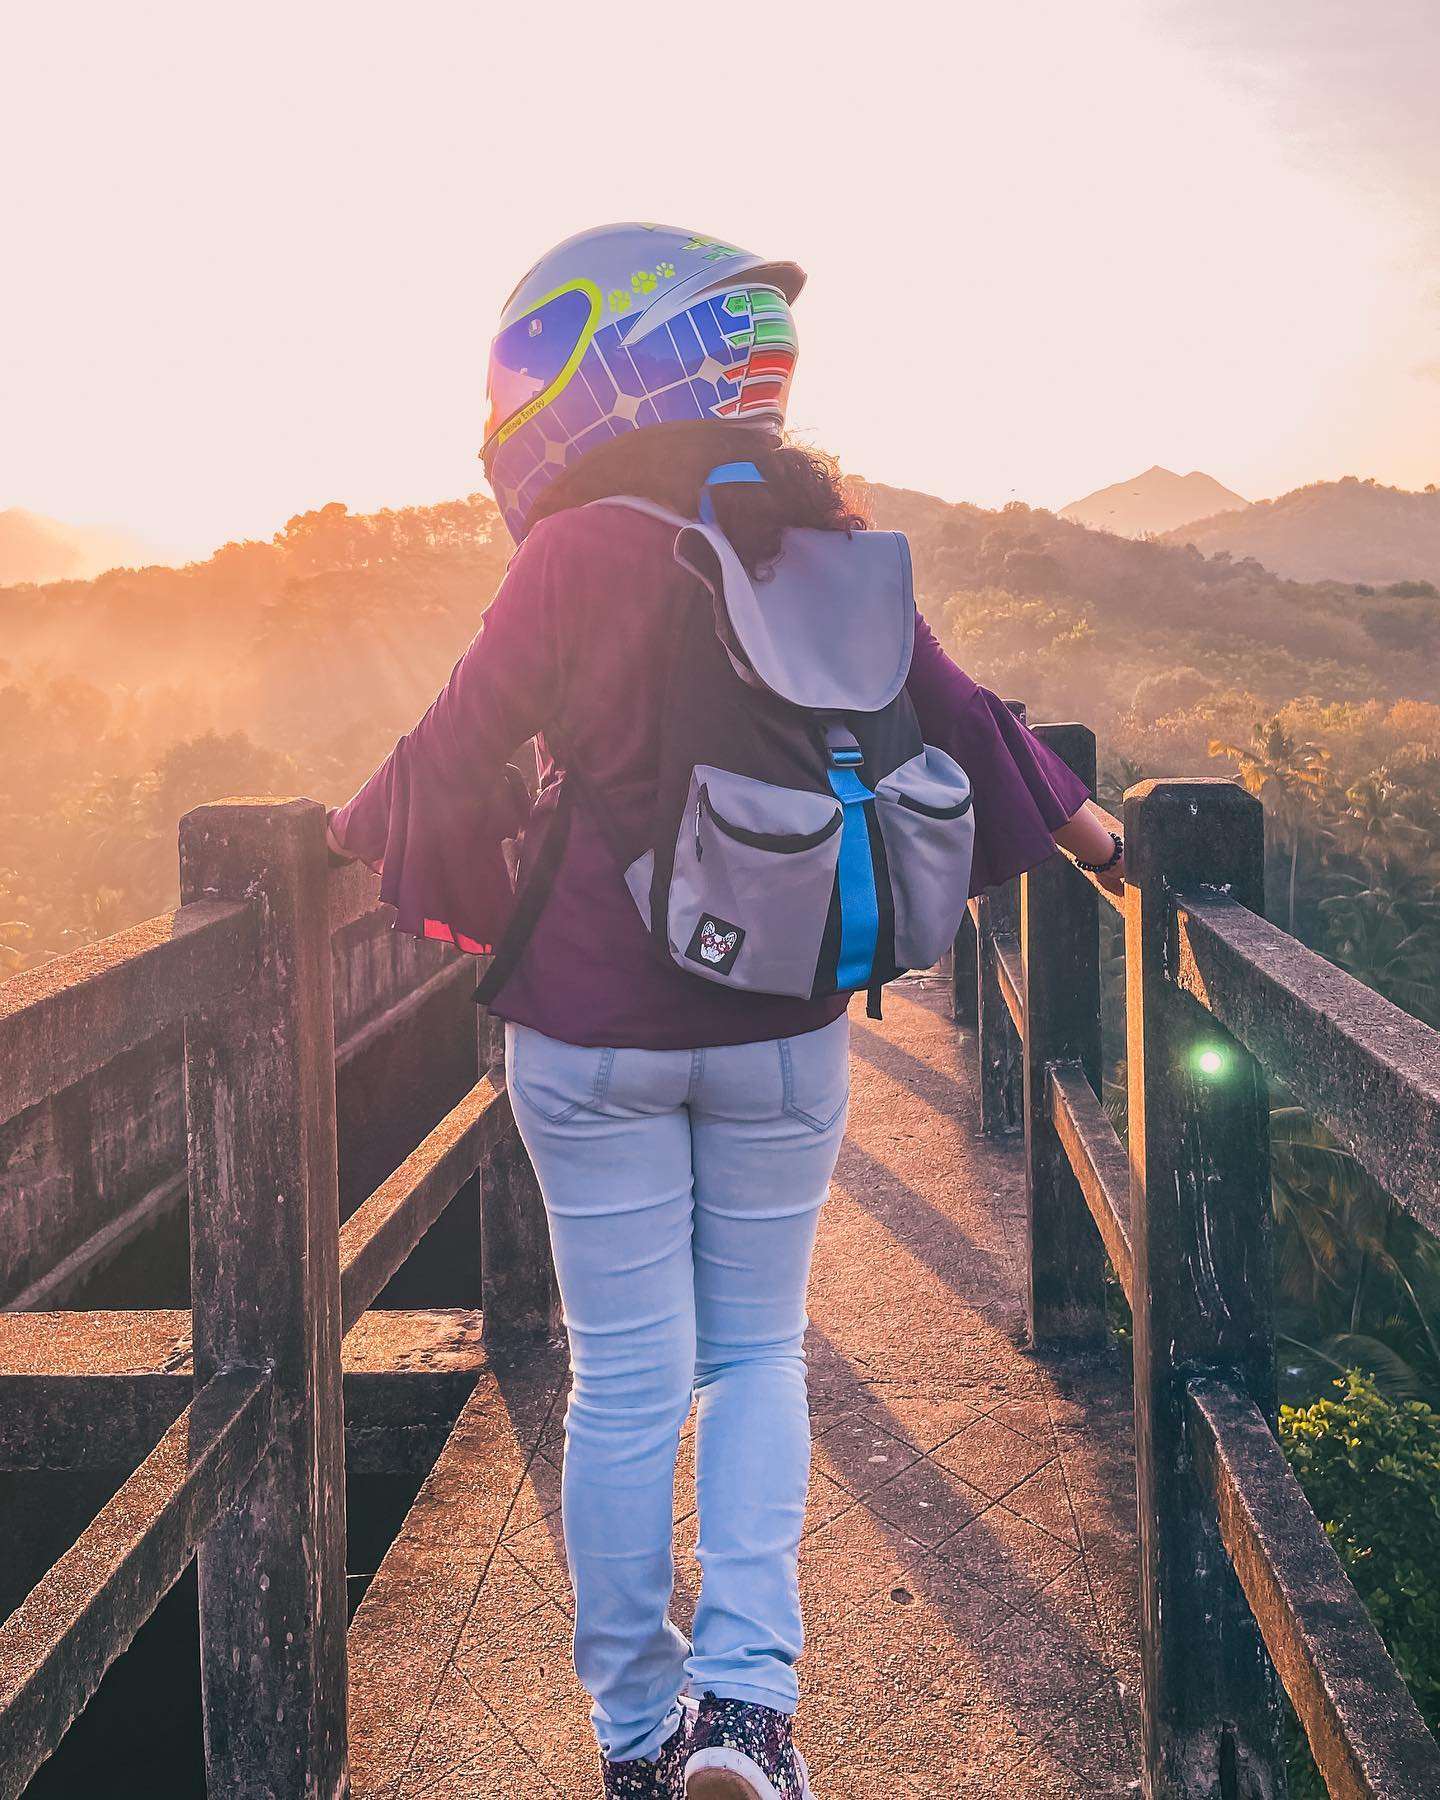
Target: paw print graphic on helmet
(665, 270)
(643, 281)
(619, 300)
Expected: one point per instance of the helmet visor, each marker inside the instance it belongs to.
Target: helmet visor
(533, 358)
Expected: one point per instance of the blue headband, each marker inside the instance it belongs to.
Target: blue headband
(732, 474)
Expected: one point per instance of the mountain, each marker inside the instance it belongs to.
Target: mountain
(34, 548)
(1152, 503)
(1347, 530)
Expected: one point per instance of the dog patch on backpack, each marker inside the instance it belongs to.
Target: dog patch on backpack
(715, 943)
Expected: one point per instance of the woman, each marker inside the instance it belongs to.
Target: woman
(683, 1132)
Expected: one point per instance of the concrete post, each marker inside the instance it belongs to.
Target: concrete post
(964, 993)
(1203, 1300)
(1060, 952)
(518, 1292)
(997, 913)
(264, 1224)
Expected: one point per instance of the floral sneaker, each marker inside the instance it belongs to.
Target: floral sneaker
(662, 1779)
(740, 1750)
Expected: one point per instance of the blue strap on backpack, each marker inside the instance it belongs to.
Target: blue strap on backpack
(734, 474)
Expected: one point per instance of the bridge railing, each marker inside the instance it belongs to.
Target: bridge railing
(1238, 1582)
(250, 1478)
(1237, 1579)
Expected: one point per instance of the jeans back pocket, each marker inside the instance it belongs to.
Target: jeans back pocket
(553, 1078)
(815, 1071)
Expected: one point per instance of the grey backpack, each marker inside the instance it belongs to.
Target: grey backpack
(805, 839)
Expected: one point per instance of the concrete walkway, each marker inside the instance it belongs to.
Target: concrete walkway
(968, 1565)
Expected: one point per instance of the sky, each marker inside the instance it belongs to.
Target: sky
(254, 255)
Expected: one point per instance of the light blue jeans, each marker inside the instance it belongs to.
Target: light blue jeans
(683, 1190)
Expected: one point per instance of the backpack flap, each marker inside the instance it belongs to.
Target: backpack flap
(832, 627)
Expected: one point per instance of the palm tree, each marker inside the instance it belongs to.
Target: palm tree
(1117, 776)
(15, 934)
(1357, 1280)
(1287, 777)
(1384, 933)
(1372, 825)
(117, 844)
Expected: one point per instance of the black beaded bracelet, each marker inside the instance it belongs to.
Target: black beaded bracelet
(1110, 862)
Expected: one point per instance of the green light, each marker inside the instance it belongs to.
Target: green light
(1210, 1062)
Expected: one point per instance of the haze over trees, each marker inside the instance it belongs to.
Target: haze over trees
(34, 548)
(288, 666)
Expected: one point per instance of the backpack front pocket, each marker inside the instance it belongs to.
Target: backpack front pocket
(928, 827)
(752, 881)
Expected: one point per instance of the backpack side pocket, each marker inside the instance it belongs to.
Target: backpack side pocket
(928, 826)
(752, 880)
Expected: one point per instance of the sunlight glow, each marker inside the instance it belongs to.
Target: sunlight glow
(259, 256)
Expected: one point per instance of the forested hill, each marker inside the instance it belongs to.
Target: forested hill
(1076, 618)
(384, 602)
(1348, 530)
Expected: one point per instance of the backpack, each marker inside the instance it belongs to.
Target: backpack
(805, 840)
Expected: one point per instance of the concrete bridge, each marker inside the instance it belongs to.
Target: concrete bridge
(1003, 1598)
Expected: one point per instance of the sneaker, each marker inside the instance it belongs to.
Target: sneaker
(740, 1750)
(662, 1778)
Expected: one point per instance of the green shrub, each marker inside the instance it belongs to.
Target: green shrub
(1371, 1469)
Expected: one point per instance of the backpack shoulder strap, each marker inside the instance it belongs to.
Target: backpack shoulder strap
(651, 507)
(536, 882)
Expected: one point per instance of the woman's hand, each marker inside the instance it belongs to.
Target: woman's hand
(1113, 880)
(1087, 838)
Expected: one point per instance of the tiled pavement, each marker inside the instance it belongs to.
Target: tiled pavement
(968, 1565)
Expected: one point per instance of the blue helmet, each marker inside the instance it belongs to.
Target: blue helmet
(627, 326)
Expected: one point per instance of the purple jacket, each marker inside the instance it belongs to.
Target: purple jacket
(573, 636)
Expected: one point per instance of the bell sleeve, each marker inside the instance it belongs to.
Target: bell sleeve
(433, 819)
(1022, 791)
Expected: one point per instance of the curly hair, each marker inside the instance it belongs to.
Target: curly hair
(669, 463)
